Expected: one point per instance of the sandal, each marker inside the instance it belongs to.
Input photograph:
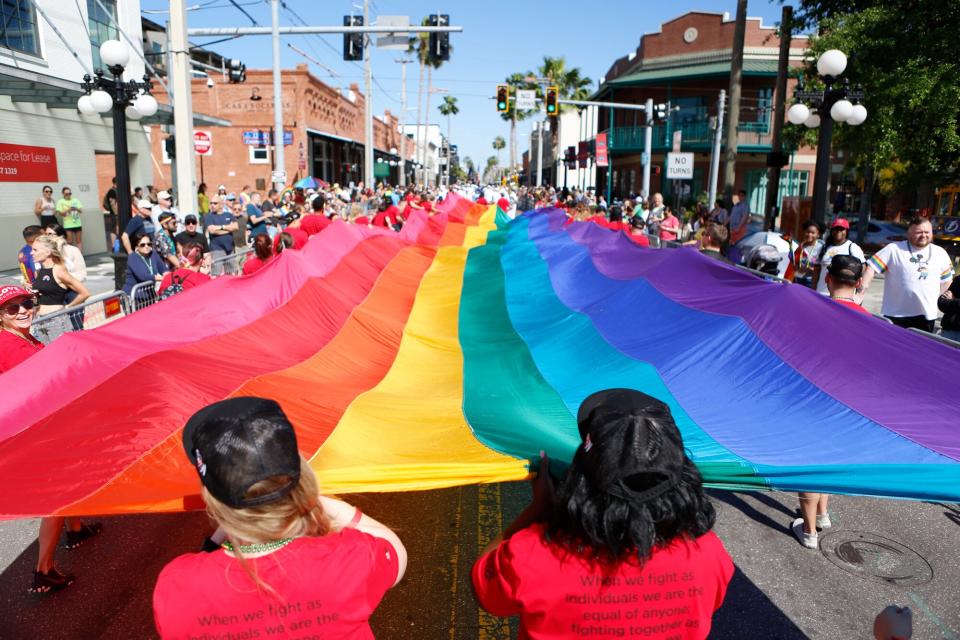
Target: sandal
(77, 538)
(50, 582)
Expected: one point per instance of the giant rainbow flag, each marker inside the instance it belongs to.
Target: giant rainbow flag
(454, 351)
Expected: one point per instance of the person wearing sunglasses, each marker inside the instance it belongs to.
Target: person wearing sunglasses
(45, 208)
(70, 208)
(144, 264)
(53, 281)
(17, 310)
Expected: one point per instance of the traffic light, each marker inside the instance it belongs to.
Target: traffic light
(503, 98)
(439, 42)
(170, 146)
(660, 111)
(236, 71)
(552, 96)
(353, 42)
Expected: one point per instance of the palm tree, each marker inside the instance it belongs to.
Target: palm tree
(571, 85)
(498, 144)
(448, 108)
(420, 45)
(490, 171)
(516, 81)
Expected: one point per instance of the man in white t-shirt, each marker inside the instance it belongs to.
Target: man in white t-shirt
(837, 244)
(917, 273)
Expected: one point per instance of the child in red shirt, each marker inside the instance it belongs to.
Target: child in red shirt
(593, 560)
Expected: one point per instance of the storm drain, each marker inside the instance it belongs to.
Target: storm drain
(877, 558)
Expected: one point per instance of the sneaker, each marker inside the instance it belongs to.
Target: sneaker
(50, 581)
(77, 538)
(809, 540)
(823, 521)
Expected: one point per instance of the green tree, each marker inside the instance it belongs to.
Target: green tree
(904, 54)
(516, 82)
(419, 45)
(490, 171)
(498, 144)
(449, 108)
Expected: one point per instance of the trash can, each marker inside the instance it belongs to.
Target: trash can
(119, 270)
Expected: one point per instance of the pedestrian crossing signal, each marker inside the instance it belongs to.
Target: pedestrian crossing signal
(503, 98)
(551, 101)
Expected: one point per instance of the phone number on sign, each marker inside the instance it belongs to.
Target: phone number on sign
(8, 171)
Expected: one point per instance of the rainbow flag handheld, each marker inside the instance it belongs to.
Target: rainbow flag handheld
(453, 352)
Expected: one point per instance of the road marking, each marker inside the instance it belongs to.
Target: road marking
(947, 633)
(455, 563)
(489, 526)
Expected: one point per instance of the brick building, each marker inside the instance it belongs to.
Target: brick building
(687, 64)
(323, 132)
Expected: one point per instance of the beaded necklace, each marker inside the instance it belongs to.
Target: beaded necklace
(257, 547)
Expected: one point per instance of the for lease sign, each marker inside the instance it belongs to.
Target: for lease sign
(22, 163)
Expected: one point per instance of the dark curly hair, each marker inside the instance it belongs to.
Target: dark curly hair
(631, 487)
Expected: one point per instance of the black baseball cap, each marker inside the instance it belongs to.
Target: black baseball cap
(845, 269)
(238, 442)
(190, 219)
(631, 447)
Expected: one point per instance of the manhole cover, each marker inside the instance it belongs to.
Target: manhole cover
(871, 556)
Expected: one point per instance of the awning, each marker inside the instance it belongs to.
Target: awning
(29, 86)
(360, 144)
(750, 68)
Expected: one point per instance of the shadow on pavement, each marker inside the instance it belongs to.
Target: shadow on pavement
(741, 505)
(748, 613)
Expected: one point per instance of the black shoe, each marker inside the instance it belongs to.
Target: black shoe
(50, 581)
(77, 538)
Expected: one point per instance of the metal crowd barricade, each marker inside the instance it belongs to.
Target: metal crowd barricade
(143, 295)
(938, 338)
(231, 264)
(94, 312)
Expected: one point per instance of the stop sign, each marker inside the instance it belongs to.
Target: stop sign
(202, 143)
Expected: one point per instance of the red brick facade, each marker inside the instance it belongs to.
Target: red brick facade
(308, 104)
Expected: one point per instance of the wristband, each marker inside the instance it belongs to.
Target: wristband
(357, 515)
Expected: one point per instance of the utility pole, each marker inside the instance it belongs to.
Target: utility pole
(182, 108)
(715, 156)
(403, 114)
(367, 104)
(771, 205)
(647, 146)
(279, 168)
(539, 152)
(736, 81)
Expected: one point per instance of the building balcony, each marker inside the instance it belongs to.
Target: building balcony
(752, 137)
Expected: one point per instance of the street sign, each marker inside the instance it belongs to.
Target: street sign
(526, 100)
(278, 177)
(202, 143)
(677, 137)
(679, 166)
(602, 149)
(262, 137)
(393, 40)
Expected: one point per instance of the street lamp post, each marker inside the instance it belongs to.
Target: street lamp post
(835, 98)
(129, 99)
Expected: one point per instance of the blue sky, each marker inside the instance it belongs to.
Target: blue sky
(499, 37)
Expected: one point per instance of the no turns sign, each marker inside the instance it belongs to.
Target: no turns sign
(679, 166)
(202, 143)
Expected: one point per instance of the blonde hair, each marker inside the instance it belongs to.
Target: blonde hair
(51, 244)
(297, 514)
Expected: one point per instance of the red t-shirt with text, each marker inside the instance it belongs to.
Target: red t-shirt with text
(328, 587)
(671, 596)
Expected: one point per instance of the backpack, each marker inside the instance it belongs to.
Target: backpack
(176, 286)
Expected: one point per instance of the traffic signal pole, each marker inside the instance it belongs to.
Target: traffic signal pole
(279, 167)
(647, 146)
(368, 178)
(178, 21)
(182, 99)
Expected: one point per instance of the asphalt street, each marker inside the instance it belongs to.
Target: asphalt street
(879, 552)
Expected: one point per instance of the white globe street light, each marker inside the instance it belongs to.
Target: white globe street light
(101, 101)
(798, 113)
(146, 104)
(85, 105)
(132, 113)
(812, 121)
(114, 53)
(858, 115)
(841, 110)
(832, 63)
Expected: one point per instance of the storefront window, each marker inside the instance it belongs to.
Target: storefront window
(18, 26)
